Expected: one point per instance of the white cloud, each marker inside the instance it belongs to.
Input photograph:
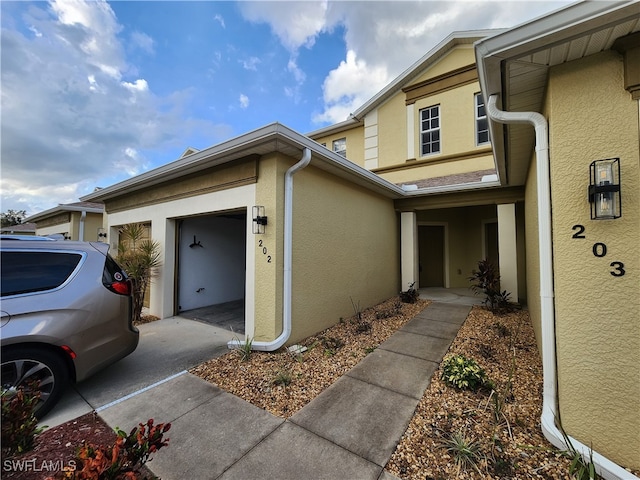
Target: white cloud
(218, 18)
(382, 38)
(79, 121)
(349, 86)
(144, 42)
(250, 64)
(139, 85)
(296, 23)
(244, 101)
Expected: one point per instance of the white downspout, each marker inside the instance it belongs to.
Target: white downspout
(83, 216)
(605, 467)
(288, 235)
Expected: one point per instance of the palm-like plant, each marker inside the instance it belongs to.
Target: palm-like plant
(139, 256)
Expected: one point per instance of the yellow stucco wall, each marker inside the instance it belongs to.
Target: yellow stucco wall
(460, 56)
(392, 132)
(269, 247)
(597, 314)
(345, 246)
(355, 143)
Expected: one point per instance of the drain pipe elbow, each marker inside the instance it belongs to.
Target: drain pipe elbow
(549, 419)
(287, 252)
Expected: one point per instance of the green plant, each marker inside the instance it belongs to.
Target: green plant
(123, 460)
(410, 295)
(357, 311)
(331, 345)
(464, 373)
(140, 258)
(19, 424)
(245, 349)
(465, 451)
(580, 468)
(369, 350)
(283, 377)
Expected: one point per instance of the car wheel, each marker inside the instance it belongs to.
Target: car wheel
(23, 365)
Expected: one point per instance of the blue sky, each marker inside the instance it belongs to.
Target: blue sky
(95, 92)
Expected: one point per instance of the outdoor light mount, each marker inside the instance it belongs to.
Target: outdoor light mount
(102, 235)
(604, 189)
(259, 219)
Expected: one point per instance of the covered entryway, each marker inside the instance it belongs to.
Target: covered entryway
(431, 254)
(211, 269)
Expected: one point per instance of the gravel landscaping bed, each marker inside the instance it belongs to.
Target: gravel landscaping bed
(510, 446)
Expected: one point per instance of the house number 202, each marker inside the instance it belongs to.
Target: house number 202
(264, 251)
(599, 250)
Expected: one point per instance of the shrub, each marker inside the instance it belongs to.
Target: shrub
(19, 424)
(465, 451)
(486, 280)
(125, 459)
(410, 295)
(283, 377)
(245, 349)
(464, 373)
(140, 258)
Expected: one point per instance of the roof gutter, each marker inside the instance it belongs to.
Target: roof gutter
(288, 245)
(604, 467)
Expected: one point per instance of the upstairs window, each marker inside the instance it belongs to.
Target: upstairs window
(430, 130)
(340, 146)
(482, 124)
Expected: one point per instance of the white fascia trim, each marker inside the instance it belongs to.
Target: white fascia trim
(60, 209)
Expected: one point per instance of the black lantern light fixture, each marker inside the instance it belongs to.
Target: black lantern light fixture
(259, 219)
(102, 235)
(604, 189)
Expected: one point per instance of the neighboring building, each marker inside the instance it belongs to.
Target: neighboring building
(74, 221)
(20, 229)
(409, 191)
(200, 208)
(579, 69)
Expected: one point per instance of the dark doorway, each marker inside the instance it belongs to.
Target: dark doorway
(431, 255)
(491, 243)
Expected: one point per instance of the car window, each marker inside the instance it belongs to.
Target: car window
(25, 272)
(112, 271)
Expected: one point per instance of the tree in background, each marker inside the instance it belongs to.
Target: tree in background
(12, 217)
(139, 256)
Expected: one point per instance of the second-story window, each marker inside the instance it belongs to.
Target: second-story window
(482, 124)
(340, 146)
(430, 130)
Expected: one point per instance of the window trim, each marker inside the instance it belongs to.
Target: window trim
(478, 118)
(430, 130)
(342, 152)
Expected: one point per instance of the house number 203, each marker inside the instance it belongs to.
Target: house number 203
(264, 251)
(599, 250)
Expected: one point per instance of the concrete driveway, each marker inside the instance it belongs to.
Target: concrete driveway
(167, 348)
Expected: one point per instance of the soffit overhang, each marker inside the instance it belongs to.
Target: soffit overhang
(515, 65)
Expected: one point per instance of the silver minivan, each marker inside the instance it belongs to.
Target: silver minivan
(66, 313)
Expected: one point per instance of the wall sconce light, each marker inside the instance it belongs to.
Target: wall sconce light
(604, 189)
(259, 219)
(102, 235)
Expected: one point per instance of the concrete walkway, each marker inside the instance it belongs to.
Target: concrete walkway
(348, 431)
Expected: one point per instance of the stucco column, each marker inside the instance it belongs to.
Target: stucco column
(408, 250)
(508, 249)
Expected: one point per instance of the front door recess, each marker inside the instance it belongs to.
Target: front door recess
(431, 255)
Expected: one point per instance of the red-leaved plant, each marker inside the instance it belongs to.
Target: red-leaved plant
(125, 459)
